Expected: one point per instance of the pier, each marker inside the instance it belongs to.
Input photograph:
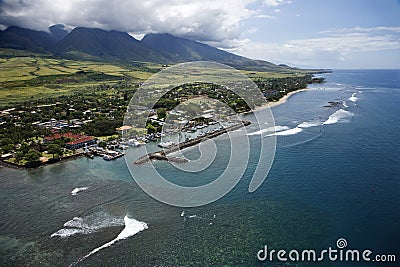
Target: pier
(162, 154)
(105, 154)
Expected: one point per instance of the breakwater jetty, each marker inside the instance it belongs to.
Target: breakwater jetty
(163, 154)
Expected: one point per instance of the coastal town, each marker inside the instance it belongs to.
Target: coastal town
(91, 124)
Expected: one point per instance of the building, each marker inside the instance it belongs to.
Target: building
(123, 129)
(77, 140)
(81, 142)
(56, 136)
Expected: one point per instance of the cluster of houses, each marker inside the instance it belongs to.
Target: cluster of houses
(62, 124)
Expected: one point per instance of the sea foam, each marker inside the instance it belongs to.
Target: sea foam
(353, 97)
(292, 131)
(132, 227)
(339, 115)
(269, 129)
(77, 190)
(308, 124)
(88, 224)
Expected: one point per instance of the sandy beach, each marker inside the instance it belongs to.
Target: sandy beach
(279, 102)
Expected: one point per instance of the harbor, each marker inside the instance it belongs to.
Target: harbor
(104, 153)
(163, 154)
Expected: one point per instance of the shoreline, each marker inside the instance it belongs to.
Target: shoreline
(7, 164)
(71, 157)
(280, 101)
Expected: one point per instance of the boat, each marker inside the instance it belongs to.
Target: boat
(134, 143)
(167, 144)
(107, 157)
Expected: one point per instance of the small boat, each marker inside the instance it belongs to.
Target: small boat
(123, 147)
(167, 144)
(107, 157)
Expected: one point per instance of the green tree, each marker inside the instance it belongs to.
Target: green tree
(151, 129)
(161, 113)
(24, 148)
(7, 148)
(54, 149)
(32, 158)
(19, 156)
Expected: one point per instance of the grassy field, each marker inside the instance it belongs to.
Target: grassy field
(26, 76)
(31, 77)
(26, 68)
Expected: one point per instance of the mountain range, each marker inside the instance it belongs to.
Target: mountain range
(102, 45)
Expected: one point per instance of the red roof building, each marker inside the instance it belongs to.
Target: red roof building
(81, 142)
(61, 135)
(77, 140)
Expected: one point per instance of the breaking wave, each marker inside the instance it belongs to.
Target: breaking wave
(308, 124)
(340, 115)
(77, 190)
(88, 224)
(287, 132)
(269, 129)
(132, 227)
(353, 97)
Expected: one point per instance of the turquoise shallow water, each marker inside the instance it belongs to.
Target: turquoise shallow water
(328, 181)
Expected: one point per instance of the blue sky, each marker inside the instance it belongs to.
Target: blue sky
(303, 33)
(331, 34)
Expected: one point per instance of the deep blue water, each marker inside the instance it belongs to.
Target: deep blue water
(328, 181)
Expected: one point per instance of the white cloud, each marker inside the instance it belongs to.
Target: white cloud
(263, 16)
(208, 20)
(252, 30)
(379, 29)
(275, 3)
(337, 46)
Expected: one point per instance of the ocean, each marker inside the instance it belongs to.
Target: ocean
(335, 176)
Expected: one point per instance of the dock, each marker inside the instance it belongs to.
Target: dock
(162, 154)
(105, 154)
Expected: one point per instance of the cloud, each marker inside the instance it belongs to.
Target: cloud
(252, 30)
(208, 20)
(333, 47)
(378, 30)
(263, 16)
(275, 3)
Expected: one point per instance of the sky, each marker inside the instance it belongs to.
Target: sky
(302, 33)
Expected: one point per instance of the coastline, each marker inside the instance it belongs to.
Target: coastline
(7, 164)
(284, 98)
(257, 108)
(276, 103)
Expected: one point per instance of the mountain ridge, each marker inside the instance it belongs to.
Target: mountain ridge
(102, 45)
